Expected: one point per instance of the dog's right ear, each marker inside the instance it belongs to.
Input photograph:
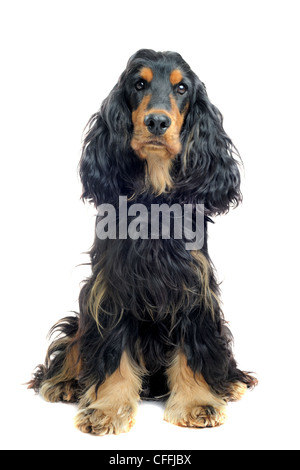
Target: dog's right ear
(108, 165)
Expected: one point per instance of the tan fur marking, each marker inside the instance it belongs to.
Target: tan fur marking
(96, 297)
(203, 270)
(147, 74)
(138, 116)
(192, 403)
(175, 77)
(113, 408)
(158, 173)
(237, 391)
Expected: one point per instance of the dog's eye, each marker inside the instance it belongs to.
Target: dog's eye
(140, 85)
(181, 89)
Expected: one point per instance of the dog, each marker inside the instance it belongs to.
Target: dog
(150, 324)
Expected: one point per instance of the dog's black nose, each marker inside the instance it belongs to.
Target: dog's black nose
(157, 124)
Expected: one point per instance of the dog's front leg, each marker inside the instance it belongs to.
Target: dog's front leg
(111, 409)
(192, 403)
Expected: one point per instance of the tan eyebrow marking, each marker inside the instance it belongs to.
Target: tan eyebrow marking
(175, 77)
(147, 74)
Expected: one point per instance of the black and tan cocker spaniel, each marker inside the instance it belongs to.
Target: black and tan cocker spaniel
(150, 323)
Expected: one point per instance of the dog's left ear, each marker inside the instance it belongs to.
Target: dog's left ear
(209, 161)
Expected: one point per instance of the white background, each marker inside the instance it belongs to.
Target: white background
(59, 60)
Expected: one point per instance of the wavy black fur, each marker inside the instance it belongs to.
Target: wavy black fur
(145, 310)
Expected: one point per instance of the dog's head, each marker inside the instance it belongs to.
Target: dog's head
(157, 87)
(157, 131)
(158, 97)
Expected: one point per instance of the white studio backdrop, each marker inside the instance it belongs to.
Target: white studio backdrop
(59, 60)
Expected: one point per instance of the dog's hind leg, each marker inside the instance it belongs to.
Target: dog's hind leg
(56, 380)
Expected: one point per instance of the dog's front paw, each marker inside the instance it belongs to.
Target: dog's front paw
(101, 422)
(196, 416)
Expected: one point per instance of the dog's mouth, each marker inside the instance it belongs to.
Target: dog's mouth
(160, 146)
(156, 143)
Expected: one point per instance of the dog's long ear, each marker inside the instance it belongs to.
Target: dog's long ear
(108, 165)
(209, 162)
